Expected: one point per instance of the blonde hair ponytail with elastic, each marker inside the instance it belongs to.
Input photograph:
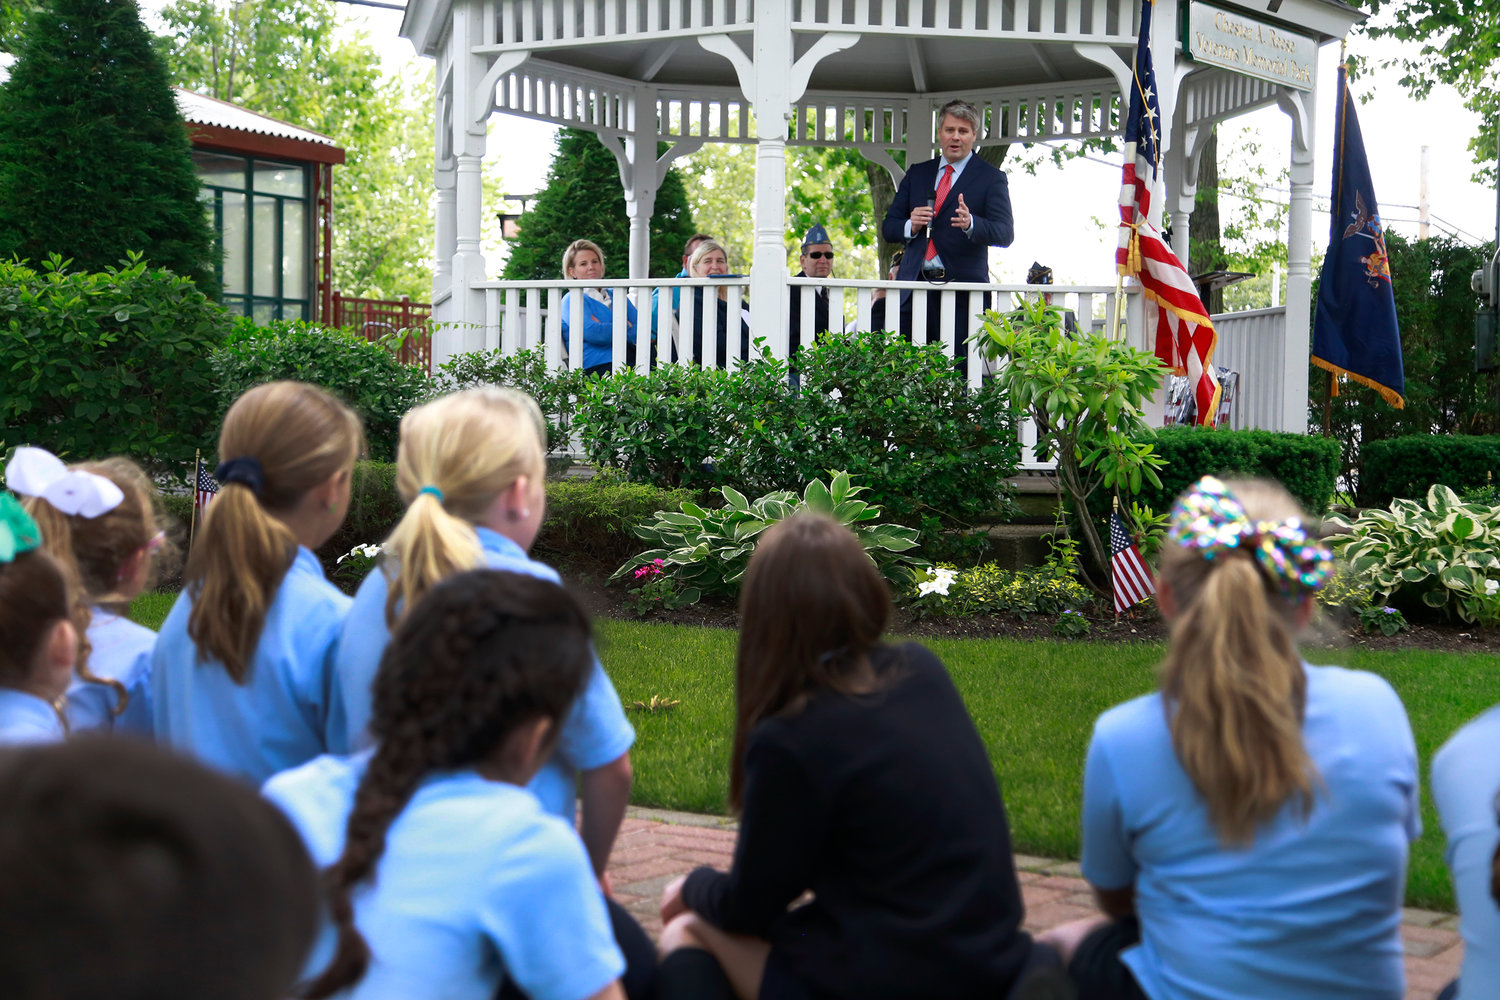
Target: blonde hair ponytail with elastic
(296, 436)
(457, 454)
(1232, 677)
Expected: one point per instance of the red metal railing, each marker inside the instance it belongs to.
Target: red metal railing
(377, 319)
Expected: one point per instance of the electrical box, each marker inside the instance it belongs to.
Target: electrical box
(1486, 341)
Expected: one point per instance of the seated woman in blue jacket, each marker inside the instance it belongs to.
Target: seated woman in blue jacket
(584, 261)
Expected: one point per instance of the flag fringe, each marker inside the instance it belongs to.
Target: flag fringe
(1183, 314)
(1388, 394)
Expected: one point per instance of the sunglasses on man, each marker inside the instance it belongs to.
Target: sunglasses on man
(820, 254)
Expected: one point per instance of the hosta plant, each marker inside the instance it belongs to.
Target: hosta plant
(1444, 552)
(707, 551)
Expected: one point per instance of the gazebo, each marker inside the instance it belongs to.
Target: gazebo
(867, 74)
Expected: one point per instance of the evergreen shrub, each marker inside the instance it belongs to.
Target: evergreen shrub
(525, 370)
(1306, 465)
(1406, 467)
(94, 156)
(365, 375)
(113, 362)
(895, 416)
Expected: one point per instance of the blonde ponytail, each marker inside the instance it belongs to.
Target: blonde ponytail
(457, 454)
(1233, 679)
(300, 436)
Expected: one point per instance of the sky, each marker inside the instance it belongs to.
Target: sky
(1065, 216)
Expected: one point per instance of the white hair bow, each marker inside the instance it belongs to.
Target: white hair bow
(36, 472)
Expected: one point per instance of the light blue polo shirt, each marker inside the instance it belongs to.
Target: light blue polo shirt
(476, 883)
(594, 733)
(1312, 909)
(289, 709)
(1465, 780)
(121, 651)
(25, 718)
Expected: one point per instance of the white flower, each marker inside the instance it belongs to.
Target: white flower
(367, 551)
(1491, 587)
(941, 580)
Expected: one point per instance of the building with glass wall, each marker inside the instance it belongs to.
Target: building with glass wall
(267, 186)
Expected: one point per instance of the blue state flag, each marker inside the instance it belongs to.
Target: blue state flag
(1354, 331)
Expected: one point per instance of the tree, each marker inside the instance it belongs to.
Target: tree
(288, 59)
(94, 156)
(1459, 44)
(584, 200)
(1444, 395)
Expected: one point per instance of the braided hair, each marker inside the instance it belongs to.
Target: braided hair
(482, 653)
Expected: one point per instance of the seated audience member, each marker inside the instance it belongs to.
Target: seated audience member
(710, 260)
(130, 873)
(817, 262)
(859, 776)
(675, 297)
(584, 261)
(1465, 782)
(1246, 827)
(445, 877)
(99, 521)
(38, 640)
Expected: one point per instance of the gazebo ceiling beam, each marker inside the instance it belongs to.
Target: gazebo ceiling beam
(648, 67)
(917, 63)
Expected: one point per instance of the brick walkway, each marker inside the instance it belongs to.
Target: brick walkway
(656, 846)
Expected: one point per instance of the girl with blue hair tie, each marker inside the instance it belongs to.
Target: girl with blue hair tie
(1245, 828)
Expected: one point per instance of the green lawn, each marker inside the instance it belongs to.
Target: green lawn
(1034, 704)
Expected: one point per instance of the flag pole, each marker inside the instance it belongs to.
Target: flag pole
(193, 513)
(1114, 512)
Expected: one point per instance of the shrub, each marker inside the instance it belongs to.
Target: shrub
(988, 589)
(365, 375)
(524, 370)
(595, 519)
(115, 362)
(1307, 466)
(374, 509)
(1441, 555)
(1408, 467)
(706, 552)
(663, 428)
(893, 415)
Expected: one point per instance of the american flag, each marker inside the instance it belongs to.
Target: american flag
(1128, 574)
(1185, 337)
(204, 488)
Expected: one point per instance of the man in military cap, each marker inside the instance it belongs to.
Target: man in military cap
(817, 262)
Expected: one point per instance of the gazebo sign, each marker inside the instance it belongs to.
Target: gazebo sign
(1260, 49)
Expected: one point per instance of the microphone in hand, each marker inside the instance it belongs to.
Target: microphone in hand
(931, 212)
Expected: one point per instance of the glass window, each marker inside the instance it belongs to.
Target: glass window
(263, 313)
(266, 250)
(235, 229)
(280, 178)
(293, 249)
(220, 170)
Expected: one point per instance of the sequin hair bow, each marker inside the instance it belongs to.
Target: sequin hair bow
(18, 532)
(36, 472)
(1209, 519)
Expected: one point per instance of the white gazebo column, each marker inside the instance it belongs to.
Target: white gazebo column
(472, 100)
(1298, 344)
(771, 90)
(445, 232)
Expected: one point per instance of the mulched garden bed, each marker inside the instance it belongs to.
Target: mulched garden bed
(613, 601)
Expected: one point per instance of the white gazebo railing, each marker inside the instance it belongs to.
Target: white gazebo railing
(523, 315)
(1253, 343)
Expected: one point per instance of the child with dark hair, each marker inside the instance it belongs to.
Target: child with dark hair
(38, 641)
(445, 876)
(131, 873)
(99, 521)
(859, 776)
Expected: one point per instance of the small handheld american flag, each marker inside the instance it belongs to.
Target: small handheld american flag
(204, 488)
(1129, 575)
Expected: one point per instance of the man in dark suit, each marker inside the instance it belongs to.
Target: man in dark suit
(949, 211)
(817, 262)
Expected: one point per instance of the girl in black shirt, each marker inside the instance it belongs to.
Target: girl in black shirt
(860, 777)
